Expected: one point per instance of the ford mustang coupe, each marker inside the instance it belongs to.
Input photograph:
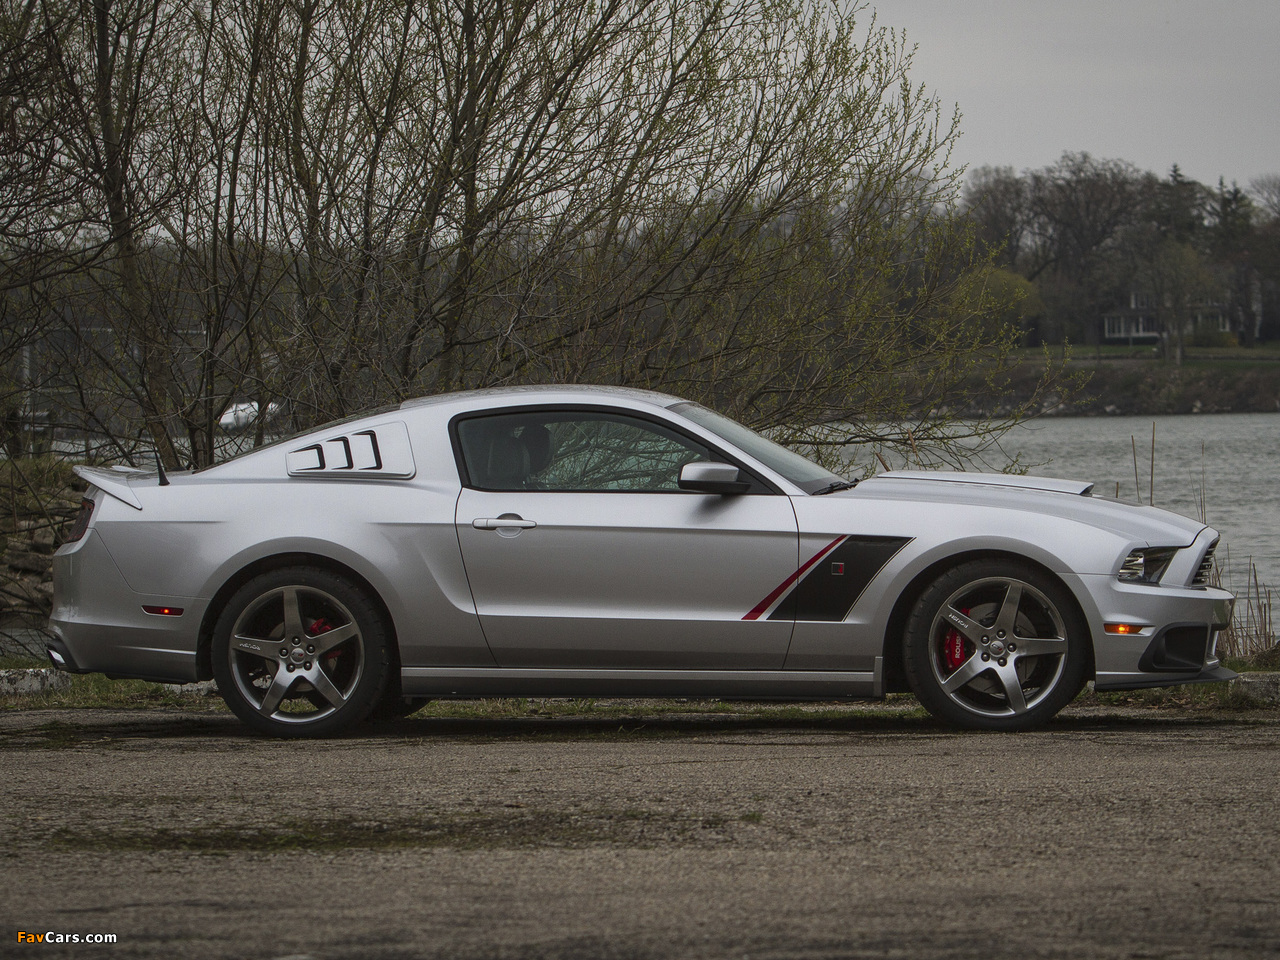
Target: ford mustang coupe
(598, 542)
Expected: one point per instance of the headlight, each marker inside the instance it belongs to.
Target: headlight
(1146, 565)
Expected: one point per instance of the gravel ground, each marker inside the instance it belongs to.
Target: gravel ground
(1113, 833)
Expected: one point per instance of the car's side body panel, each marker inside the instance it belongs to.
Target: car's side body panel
(769, 594)
(638, 580)
(936, 532)
(103, 622)
(198, 537)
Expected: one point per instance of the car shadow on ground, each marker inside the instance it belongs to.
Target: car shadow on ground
(66, 728)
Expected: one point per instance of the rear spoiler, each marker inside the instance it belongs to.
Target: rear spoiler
(115, 483)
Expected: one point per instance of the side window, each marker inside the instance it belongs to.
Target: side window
(574, 451)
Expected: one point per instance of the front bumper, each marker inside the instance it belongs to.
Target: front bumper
(1134, 682)
(1178, 641)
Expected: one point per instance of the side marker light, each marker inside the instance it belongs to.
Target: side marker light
(1123, 628)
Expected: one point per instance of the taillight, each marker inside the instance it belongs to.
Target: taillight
(82, 521)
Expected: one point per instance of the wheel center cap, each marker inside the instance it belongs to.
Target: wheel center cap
(997, 648)
(297, 655)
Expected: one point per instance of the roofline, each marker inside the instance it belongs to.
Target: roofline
(541, 393)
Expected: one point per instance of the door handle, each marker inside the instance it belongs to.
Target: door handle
(502, 523)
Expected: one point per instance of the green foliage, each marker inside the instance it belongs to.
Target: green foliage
(1215, 339)
(1101, 238)
(1016, 303)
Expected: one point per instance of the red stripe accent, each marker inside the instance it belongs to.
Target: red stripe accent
(758, 610)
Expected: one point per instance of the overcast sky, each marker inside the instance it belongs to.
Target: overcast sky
(1154, 82)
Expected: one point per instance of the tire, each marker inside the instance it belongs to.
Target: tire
(996, 645)
(301, 652)
(393, 704)
(396, 708)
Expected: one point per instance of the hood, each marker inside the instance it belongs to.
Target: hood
(1045, 496)
(1050, 484)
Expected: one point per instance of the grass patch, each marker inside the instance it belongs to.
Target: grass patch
(1197, 697)
(17, 661)
(1267, 661)
(536, 717)
(895, 705)
(94, 690)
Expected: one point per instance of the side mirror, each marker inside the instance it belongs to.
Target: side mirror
(712, 478)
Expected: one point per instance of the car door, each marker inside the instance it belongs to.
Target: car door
(582, 551)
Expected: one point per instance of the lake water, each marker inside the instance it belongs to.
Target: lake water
(1234, 458)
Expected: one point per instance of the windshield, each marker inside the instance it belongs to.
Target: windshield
(805, 474)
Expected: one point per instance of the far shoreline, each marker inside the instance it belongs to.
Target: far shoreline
(1133, 383)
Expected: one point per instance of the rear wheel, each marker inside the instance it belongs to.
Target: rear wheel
(301, 652)
(997, 645)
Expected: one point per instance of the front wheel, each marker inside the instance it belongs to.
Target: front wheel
(996, 645)
(301, 652)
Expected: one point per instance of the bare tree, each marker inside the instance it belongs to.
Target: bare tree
(337, 205)
(1078, 207)
(1265, 191)
(997, 199)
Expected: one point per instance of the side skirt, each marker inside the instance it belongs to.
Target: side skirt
(1140, 681)
(726, 684)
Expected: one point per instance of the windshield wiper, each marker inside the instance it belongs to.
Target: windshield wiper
(836, 485)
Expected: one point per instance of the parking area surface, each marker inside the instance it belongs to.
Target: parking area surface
(1139, 834)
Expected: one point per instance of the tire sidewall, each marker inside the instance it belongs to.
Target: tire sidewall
(374, 634)
(917, 646)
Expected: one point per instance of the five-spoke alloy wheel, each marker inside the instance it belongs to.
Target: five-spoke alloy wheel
(301, 652)
(995, 644)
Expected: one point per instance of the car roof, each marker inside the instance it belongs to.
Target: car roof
(547, 393)
(250, 463)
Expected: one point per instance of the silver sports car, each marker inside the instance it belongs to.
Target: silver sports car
(587, 541)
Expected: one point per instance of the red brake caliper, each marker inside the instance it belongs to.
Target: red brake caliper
(324, 626)
(953, 646)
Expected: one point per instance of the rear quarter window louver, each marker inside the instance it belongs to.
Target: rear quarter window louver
(379, 451)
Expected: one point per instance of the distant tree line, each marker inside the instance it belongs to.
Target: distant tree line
(1085, 237)
(213, 206)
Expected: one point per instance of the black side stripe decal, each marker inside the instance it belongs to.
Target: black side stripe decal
(831, 588)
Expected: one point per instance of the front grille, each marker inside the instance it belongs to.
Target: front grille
(1205, 574)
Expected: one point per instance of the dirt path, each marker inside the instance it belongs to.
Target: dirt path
(1143, 834)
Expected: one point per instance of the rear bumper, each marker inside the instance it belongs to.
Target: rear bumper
(60, 656)
(99, 625)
